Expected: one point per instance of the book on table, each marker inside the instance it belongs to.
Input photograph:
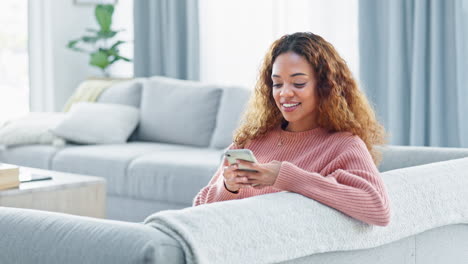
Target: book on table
(32, 177)
(9, 176)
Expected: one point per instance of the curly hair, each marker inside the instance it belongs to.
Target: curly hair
(342, 106)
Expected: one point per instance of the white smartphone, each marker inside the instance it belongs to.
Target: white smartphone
(240, 154)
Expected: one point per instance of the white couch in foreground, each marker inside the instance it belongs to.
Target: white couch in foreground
(429, 225)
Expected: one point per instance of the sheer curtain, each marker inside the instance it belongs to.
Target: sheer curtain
(414, 66)
(235, 35)
(14, 76)
(166, 38)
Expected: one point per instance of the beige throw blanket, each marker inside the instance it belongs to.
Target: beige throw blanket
(88, 91)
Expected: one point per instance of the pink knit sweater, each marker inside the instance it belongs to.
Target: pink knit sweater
(335, 169)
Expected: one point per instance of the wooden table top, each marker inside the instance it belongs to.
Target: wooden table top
(60, 180)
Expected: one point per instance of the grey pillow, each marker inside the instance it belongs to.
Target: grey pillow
(178, 111)
(125, 93)
(98, 123)
(233, 103)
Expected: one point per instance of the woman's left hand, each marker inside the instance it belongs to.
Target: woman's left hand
(266, 173)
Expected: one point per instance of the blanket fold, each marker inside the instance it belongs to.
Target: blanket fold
(33, 128)
(88, 91)
(284, 226)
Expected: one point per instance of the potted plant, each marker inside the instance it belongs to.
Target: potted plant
(103, 51)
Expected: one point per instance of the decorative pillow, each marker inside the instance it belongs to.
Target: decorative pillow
(125, 92)
(31, 129)
(98, 123)
(178, 111)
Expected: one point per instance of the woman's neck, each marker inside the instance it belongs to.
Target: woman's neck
(298, 127)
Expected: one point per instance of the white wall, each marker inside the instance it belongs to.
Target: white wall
(69, 67)
(55, 70)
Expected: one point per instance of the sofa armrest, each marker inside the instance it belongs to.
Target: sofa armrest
(396, 157)
(30, 236)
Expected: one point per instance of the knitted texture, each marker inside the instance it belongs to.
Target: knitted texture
(335, 169)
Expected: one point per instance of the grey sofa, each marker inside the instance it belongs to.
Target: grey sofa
(184, 127)
(30, 236)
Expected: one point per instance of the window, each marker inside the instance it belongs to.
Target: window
(123, 19)
(14, 80)
(235, 35)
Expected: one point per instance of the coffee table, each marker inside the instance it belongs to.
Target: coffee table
(65, 193)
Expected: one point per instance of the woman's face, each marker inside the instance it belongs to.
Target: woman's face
(294, 91)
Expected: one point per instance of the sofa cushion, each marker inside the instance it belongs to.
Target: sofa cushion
(108, 161)
(178, 111)
(98, 123)
(174, 176)
(232, 105)
(126, 93)
(36, 156)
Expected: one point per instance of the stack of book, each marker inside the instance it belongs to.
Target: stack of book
(9, 176)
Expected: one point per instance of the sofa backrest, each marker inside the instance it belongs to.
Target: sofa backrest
(181, 112)
(178, 111)
(397, 157)
(233, 103)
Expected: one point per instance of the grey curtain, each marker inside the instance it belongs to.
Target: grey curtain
(414, 67)
(166, 38)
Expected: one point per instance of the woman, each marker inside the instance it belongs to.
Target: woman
(312, 131)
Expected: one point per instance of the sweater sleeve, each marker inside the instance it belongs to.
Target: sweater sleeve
(350, 183)
(215, 190)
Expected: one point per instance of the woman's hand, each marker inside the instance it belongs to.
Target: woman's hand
(265, 176)
(232, 179)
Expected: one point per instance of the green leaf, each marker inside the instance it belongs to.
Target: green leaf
(118, 43)
(117, 58)
(123, 58)
(104, 50)
(106, 34)
(71, 44)
(90, 39)
(113, 52)
(103, 15)
(114, 60)
(99, 59)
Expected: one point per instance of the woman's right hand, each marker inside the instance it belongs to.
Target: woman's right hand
(232, 181)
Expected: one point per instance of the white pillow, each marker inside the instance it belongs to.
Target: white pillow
(31, 129)
(98, 123)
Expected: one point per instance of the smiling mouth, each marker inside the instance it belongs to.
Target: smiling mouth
(290, 105)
